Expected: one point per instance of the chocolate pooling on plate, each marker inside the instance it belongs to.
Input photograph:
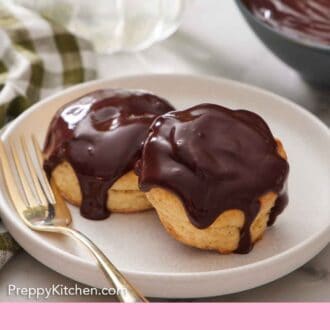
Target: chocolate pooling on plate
(215, 159)
(101, 135)
(303, 19)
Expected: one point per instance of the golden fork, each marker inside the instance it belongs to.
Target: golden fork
(42, 208)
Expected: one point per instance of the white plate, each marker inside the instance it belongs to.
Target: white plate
(138, 244)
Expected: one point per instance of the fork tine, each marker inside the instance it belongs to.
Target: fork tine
(45, 183)
(10, 181)
(32, 171)
(28, 193)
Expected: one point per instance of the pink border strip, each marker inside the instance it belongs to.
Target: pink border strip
(201, 316)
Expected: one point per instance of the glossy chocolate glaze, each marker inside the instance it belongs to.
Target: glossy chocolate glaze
(214, 159)
(101, 135)
(304, 19)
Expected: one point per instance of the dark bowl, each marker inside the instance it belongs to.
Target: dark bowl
(311, 60)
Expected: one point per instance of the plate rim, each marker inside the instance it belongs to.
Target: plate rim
(322, 236)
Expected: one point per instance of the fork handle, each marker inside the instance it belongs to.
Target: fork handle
(125, 291)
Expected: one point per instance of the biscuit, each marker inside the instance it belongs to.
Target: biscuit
(216, 177)
(223, 235)
(123, 197)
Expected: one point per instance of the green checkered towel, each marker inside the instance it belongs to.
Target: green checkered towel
(37, 58)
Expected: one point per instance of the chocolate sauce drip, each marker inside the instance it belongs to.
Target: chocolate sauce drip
(304, 19)
(214, 159)
(280, 204)
(101, 135)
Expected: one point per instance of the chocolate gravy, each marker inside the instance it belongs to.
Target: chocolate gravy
(215, 159)
(101, 135)
(304, 19)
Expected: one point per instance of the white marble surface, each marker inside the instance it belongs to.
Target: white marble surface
(215, 40)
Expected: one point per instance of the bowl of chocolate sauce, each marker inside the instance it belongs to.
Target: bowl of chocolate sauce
(296, 31)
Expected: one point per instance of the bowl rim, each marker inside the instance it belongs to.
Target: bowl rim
(305, 43)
